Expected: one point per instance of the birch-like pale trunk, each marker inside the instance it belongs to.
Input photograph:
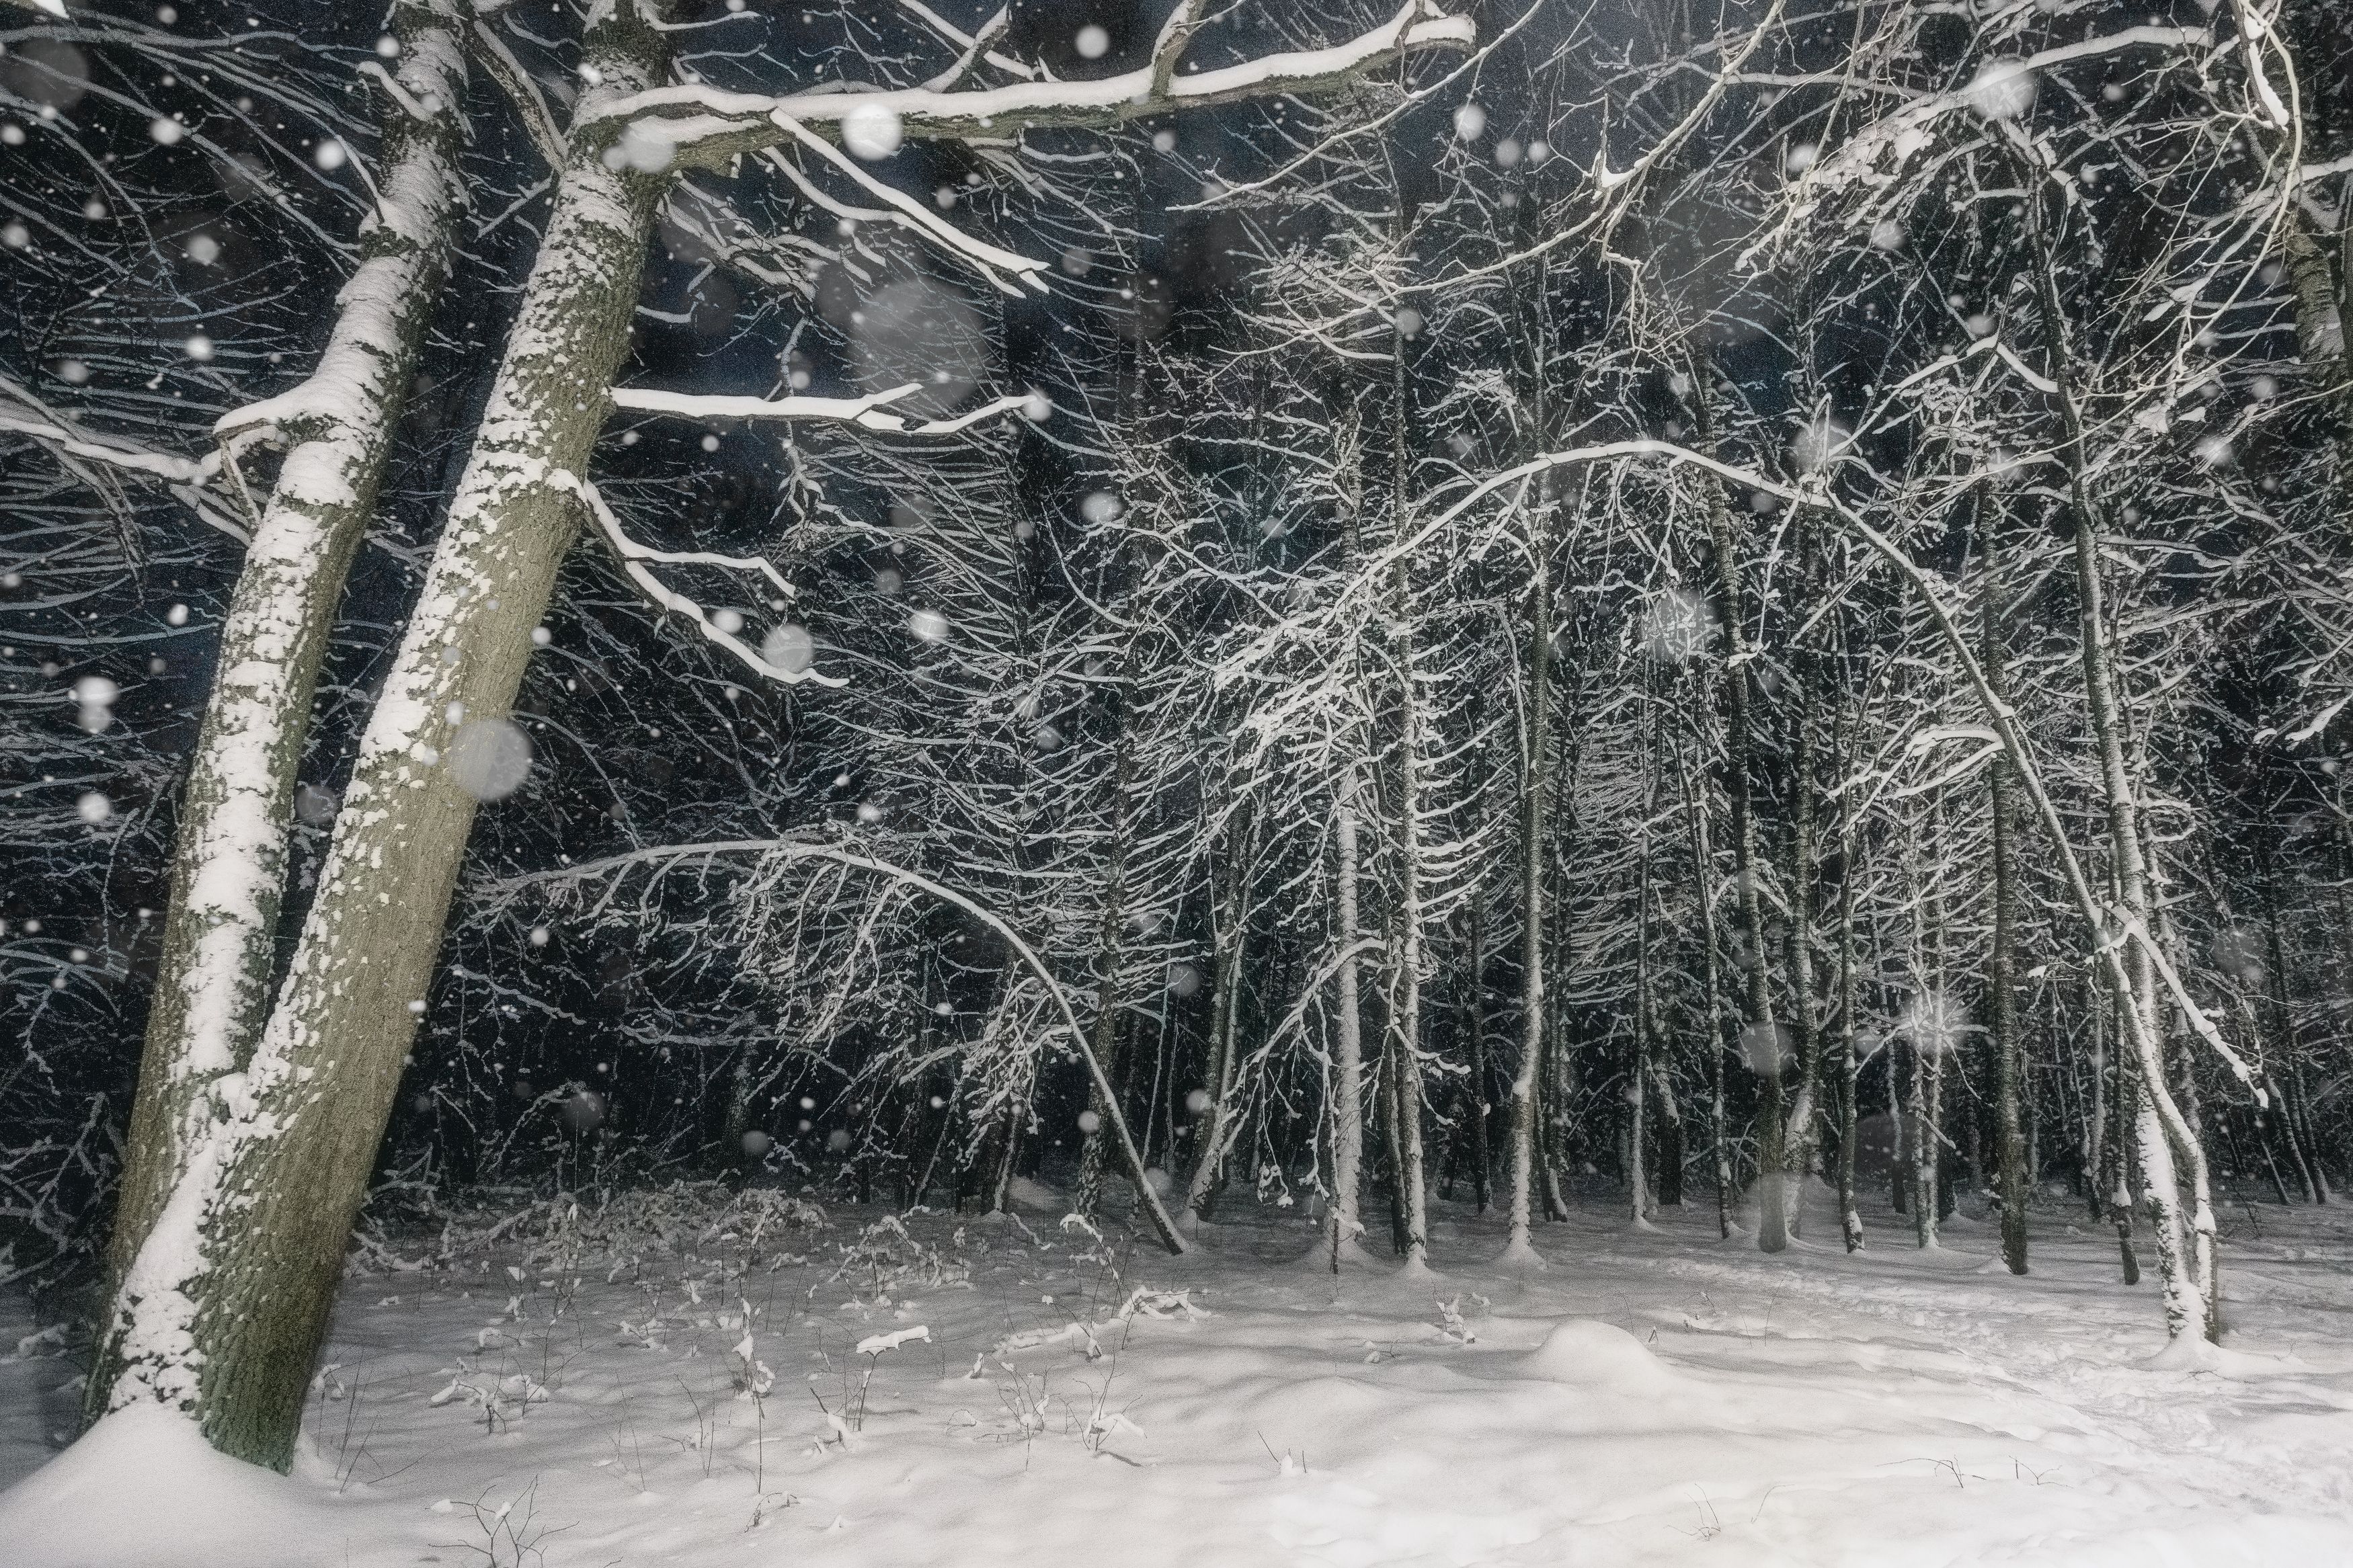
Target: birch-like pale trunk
(228, 871)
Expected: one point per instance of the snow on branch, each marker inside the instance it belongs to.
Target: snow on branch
(136, 459)
(699, 124)
(981, 45)
(905, 210)
(193, 480)
(869, 412)
(634, 557)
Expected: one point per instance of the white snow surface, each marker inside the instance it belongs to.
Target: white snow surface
(1651, 1397)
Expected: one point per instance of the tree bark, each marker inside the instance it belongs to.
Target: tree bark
(228, 869)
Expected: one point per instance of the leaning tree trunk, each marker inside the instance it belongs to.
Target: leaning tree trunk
(229, 868)
(223, 1308)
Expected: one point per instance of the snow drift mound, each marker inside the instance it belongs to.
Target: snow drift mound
(143, 1490)
(1600, 1355)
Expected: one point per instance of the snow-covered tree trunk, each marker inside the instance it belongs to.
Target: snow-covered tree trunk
(229, 866)
(1475, 1107)
(222, 1307)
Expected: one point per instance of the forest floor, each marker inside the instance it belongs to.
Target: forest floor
(579, 1392)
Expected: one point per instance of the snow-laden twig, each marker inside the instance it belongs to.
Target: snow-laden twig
(702, 124)
(634, 557)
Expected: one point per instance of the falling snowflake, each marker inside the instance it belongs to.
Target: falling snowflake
(873, 130)
(95, 694)
(490, 758)
(1821, 443)
(1677, 626)
(1933, 1023)
(789, 648)
(1766, 1049)
(2002, 90)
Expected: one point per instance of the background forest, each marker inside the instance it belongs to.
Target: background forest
(1631, 605)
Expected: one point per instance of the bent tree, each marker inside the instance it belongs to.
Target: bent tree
(253, 1151)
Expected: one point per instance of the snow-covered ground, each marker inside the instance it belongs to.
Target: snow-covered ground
(1652, 1397)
